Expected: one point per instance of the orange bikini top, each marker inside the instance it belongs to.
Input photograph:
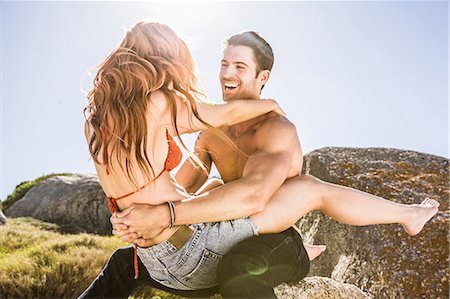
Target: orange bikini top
(174, 156)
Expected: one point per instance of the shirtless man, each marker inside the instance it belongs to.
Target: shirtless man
(277, 258)
(265, 160)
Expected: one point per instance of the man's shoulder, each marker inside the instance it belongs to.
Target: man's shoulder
(275, 121)
(276, 131)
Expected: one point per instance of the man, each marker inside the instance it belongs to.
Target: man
(264, 159)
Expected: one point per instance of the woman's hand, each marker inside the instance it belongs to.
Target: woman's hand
(277, 108)
(132, 238)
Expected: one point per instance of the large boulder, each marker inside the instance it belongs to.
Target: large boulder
(76, 203)
(383, 260)
(319, 288)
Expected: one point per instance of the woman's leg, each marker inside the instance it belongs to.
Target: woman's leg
(305, 193)
(313, 251)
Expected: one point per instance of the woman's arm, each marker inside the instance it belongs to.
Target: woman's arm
(232, 112)
(216, 115)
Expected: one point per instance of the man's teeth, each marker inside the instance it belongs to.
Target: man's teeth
(231, 85)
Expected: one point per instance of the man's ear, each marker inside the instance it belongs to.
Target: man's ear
(263, 76)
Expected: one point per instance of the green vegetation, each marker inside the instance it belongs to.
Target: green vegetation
(23, 188)
(38, 262)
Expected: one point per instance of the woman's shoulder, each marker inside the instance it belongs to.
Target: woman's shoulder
(161, 100)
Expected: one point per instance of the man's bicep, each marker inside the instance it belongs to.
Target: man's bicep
(276, 143)
(268, 166)
(271, 163)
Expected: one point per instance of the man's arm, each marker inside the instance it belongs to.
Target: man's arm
(190, 176)
(264, 172)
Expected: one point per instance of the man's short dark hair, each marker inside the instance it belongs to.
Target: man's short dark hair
(262, 51)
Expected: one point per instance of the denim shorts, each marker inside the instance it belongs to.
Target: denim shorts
(194, 266)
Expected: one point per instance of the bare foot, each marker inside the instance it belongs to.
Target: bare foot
(420, 215)
(314, 250)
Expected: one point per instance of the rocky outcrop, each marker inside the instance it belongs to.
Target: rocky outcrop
(76, 203)
(319, 288)
(2, 218)
(383, 260)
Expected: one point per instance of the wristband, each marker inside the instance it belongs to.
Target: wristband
(172, 213)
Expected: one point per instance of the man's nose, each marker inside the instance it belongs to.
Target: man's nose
(228, 72)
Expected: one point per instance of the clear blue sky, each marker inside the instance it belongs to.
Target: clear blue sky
(357, 74)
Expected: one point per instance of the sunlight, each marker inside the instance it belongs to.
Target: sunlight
(183, 16)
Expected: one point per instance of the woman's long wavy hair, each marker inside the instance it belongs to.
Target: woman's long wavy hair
(151, 57)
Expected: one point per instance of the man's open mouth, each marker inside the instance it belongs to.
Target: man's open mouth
(230, 86)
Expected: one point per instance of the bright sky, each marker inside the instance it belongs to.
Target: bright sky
(354, 74)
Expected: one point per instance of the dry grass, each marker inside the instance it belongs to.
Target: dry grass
(36, 261)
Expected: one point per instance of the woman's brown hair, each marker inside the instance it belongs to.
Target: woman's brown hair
(151, 57)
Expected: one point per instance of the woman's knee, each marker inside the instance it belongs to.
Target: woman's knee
(311, 187)
(307, 178)
(308, 182)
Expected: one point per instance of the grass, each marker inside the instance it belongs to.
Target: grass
(23, 188)
(36, 261)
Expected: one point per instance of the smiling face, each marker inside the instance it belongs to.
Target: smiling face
(238, 74)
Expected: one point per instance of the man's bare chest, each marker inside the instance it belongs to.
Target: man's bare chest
(230, 158)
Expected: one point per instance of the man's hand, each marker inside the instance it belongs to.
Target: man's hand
(140, 221)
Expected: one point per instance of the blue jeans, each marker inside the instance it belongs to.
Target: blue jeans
(251, 269)
(194, 265)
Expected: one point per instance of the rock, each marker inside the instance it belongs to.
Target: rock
(319, 288)
(2, 218)
(76, 203)
(383, 260)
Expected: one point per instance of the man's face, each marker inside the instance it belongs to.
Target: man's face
(238, 77)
